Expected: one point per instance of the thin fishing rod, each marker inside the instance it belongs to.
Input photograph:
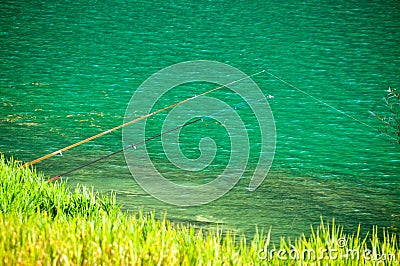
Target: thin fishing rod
(60, 151)
(133, 146)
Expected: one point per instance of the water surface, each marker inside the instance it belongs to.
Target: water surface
(68, 70)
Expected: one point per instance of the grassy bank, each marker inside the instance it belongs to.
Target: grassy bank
(47, 223)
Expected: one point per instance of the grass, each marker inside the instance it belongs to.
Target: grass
(24, 192)
(48, 224)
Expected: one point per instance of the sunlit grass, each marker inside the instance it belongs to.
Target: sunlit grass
(47, 224)
(23, 192)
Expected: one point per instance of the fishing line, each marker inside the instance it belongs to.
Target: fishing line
(320, 101)
(134, 121)
(134, 146)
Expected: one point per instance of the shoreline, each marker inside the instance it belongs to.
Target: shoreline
(49, 223)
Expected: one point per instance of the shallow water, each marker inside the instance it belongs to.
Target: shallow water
(68, 71)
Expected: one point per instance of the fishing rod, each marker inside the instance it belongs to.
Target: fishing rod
(60, 151)
(134, 146)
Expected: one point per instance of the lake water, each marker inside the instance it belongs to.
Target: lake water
(69, 69)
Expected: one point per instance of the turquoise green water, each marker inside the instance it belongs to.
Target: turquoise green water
(88, 57)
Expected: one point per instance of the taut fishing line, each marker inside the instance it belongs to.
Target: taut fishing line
(324, 103)
(318, 100)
